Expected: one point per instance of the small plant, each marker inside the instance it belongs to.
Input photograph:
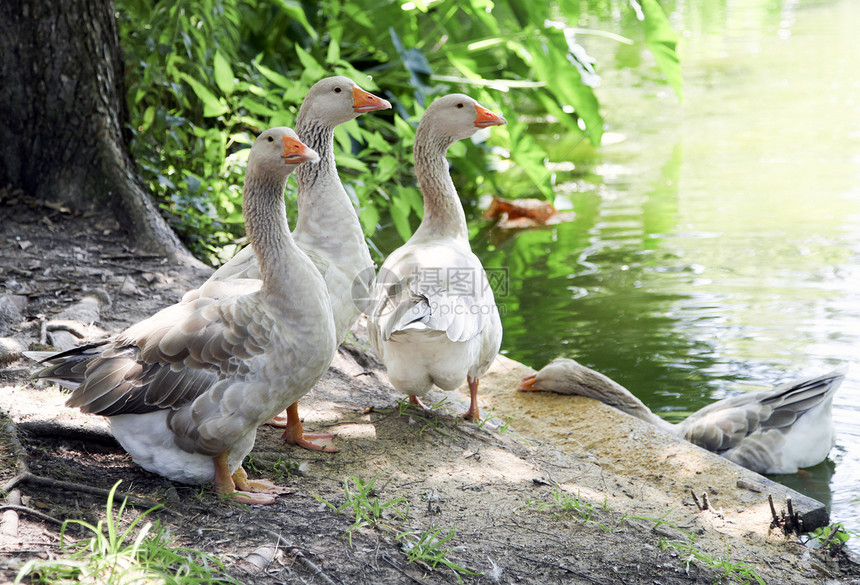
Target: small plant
(280, 469)
(366, 506)
(285, 468)
(429, 547)
(140, 554)
(564, 503)
(831, 538)
(503, 428)
(736, 572)
(483, 421)
(406, 408)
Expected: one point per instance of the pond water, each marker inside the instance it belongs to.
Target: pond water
(716, 244)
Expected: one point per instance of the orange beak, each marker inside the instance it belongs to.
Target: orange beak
(486, 118)
(528, 384)
(363, 101)
(296, 151)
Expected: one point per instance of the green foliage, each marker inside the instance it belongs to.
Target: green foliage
(427, 547)
(140, 554)
(734, 572)
(565, 504)
(368, 510)
(833, 537)
(430, 547)
(204, 76)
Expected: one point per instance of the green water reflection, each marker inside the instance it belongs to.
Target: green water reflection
(716, 243)
(715, 248)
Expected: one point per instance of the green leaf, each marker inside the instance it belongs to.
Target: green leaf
(312, 69)
(274, 76)
(350, 162)
(224, 74)
(400, 217)
(415, 199)
(662, 41)
(385, 168)
(295, 10)
(148, 117)
(212, 106)
(256, 107)
(369, 218)
(333, 52)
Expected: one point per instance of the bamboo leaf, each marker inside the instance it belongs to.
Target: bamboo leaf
(212, 106)
(296, 12)
(400, 217)
(333, 52)
(312, 69)
(274, 76)
(224, 74)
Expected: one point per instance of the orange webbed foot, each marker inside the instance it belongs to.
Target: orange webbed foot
(279, 421)
(256, 489)
(253, 498)
(316, 442)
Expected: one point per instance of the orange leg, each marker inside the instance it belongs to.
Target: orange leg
(294, 434)
(417, 402)
(225, 485)
(472, 414)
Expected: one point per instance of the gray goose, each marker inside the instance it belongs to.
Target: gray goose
(327, 228)
(185, 390)
(434, 319)
(776, 431)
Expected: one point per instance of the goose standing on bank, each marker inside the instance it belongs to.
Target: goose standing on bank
(434, 319)
(327, 228)
(185, 390)
(776, 431)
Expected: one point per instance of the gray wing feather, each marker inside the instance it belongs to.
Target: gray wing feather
(166, 361)
(724, 424)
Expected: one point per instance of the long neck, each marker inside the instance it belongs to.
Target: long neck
(595, 385)
(319, 137)
(443, 212)
(327, 220)
(266, 224)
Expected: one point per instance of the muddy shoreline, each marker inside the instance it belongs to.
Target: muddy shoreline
(550, 489)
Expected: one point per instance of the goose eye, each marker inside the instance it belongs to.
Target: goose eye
(460, 105)
(338, 90)
(270, 139)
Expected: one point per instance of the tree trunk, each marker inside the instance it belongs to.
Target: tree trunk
(62, 114)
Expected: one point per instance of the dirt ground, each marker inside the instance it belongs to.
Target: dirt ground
(550, 489)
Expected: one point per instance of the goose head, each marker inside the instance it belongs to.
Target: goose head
(278, 151)
(457, 116)
(336, 100)
(561, 375)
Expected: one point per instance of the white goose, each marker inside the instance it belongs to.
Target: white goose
(327, 228)
(185, 390)
(434, 320)
(777, 431)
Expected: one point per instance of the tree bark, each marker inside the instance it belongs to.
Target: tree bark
(62, 114)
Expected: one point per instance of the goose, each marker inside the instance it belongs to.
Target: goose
(327, 228)
(433, 318)
(185, 390)
(776, 431)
